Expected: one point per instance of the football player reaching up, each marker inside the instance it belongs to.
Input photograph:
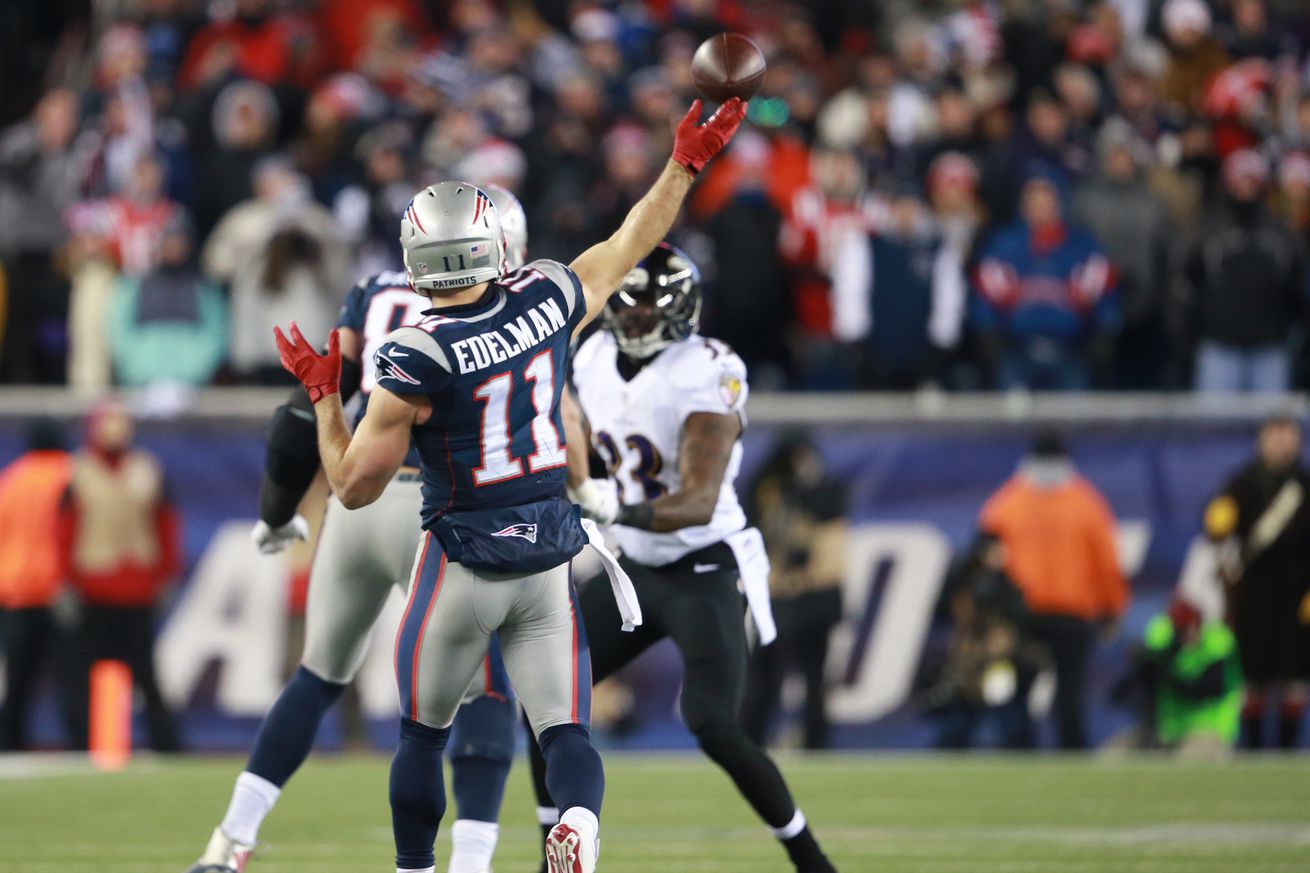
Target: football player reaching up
(360, 556)
(664, 407)
(476, 385)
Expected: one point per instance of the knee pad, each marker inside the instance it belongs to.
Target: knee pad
(484, 728)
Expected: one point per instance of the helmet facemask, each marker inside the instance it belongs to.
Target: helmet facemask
(658, 304)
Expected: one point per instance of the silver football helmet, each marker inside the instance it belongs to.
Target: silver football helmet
(451, 238)
(515, 224)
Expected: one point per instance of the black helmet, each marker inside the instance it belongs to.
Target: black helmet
(656, 305)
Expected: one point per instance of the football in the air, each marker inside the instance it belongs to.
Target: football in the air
(728, 65)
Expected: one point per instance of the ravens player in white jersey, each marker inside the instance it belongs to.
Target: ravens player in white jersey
(475, 386)
(360, 557)
(664, 408)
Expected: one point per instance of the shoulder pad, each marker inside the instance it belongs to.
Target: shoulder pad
(564, 279)
(410, 361)
(710, 376)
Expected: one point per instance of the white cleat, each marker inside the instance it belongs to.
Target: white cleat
(222, 855)
(568, 852)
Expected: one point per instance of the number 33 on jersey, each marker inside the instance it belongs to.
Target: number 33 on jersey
(493, 370)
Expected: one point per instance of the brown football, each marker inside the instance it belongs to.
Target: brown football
(728, 65)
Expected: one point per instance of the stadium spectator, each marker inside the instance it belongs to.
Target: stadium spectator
(1058, 533)
(243, 118)
(800, 508)
(1251, 34)
(1244, 287)
(1044, 147)
(1131, 223)
(170, 325)
(281, 257)
(130, 223)
(40, 169)
(36, 628)
(1261, 520)
(899, 294)
(537, 91)
(1192, 680)
(256, 41)
(991, 661)
(1195, 56)
(748, 300)
(366, 210)
(121, 543)
(819, 217)
(1044, 304)
(119, 235)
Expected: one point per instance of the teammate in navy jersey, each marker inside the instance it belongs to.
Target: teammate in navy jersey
(476, 384)
(360, 557)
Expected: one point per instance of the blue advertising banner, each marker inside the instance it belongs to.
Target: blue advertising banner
(915, 492)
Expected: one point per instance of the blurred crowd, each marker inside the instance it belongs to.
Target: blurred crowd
(971, 194)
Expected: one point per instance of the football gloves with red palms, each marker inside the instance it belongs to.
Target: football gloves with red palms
(694, 144)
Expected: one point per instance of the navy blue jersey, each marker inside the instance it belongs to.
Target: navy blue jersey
(494, 371)
(375, 307)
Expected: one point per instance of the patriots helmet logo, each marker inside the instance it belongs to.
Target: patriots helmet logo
(389, 369)
(523, 531)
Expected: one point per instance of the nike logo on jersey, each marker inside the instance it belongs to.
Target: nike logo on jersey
(704, 568)
(523, 531)
(397, 353)
(493, 347)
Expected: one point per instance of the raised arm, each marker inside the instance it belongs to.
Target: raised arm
(602, 267)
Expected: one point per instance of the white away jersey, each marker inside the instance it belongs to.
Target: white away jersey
(637, 429)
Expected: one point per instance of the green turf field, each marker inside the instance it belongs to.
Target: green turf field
(676, 814)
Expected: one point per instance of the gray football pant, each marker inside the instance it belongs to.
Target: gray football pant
(451, 614)
(361, 555)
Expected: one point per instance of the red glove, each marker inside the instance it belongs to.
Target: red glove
(694, 144)
(320, 374)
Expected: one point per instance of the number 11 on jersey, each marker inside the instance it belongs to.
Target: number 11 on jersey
(498, 464)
